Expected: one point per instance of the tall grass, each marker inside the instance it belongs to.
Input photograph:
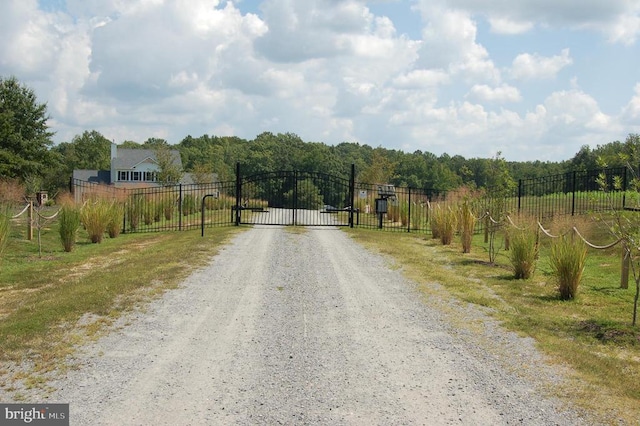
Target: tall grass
(5, 227)
(95, 218)
(523, 252)
(69, 222)
(444, 224)
(467, 225)
(568, 257)
(116, 219)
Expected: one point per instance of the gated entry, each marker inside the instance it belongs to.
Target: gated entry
(294, 198)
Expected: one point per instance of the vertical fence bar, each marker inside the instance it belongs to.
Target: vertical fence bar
(519, 195)
(180, 207)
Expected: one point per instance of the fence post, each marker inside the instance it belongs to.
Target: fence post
(180, 207)
(573, 195)
(519, 195)
(409, 213)
(624, 276)
(30, 222)
(486, 229)
(352, 191)
(238, 193)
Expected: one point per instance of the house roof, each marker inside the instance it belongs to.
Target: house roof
(129, 158)
(93, 176)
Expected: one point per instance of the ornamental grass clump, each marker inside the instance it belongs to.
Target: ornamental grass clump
(116, 219)
(5, 227)
(94, 216)
(568, 257)
(69, 222)
(467, 226)
(523, 252)
(448, 223)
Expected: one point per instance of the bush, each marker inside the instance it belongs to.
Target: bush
(448, 223)
(69, 220)
(134, 211)
(95, 218)
(523, 252)
(568, 257)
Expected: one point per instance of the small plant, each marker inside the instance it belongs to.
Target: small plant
(69, 221)
(523, 253)
(568, 257)
(189, 205)
(95, 218)
(116, 218)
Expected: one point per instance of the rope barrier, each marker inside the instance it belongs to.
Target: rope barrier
(593, 245)
(21, 213)
(48, 217)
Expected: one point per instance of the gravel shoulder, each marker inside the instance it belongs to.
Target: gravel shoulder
(306, 328)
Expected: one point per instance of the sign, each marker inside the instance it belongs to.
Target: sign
(363, 193)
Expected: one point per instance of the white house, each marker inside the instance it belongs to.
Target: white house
(131, 168)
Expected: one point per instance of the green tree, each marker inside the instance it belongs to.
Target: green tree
(90, 151)
(170, 171)
(500, 185)
(24, 135)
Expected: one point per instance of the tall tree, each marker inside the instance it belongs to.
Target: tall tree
(90, 151)
(24, 135)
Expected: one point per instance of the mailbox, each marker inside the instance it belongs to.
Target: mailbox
(381, 205)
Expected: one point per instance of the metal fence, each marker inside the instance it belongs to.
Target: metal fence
(363, 205)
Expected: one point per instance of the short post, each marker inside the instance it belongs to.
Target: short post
(624, 276)
(486, 229)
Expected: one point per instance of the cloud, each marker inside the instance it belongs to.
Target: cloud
(501, 25)
(527, 67)
(501, 94)
(631, 112)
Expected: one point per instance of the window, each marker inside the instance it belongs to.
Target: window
(123, 176)
(150, 176)
(135, 176)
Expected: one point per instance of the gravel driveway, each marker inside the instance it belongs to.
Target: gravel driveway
(304, 328)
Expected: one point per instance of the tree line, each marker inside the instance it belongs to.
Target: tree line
(28, 154)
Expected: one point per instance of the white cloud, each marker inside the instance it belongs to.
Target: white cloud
(501, 94)
(526, 66)
(631, 112)
(501, 25)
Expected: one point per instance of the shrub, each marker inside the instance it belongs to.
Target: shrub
(189, 205)
(116, 218)
(568, 257)
(467, 226)
(148, 211)
(448, 226)
(69, 221)
(523, 252)
(94, 216)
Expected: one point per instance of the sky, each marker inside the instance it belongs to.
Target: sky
(529, 79)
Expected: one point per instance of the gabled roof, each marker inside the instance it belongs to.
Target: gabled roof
(129, 158)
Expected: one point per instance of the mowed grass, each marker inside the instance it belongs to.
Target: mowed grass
(591, 334)
(51, 302)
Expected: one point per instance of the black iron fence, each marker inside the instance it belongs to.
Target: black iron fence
(302, 198)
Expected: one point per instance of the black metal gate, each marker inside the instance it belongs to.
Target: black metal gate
(294, 198)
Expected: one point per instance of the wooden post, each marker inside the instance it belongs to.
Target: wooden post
(507, 240)
(30, 222)
(624, 276)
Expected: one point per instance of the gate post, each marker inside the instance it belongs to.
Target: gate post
(238, 193)
(352, 191)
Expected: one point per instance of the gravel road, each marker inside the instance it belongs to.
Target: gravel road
(305, 328)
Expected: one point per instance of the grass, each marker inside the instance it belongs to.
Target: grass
(43, 299)
(591, 334)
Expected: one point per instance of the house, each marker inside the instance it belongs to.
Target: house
(131, 168)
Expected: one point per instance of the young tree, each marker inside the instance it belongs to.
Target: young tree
(24, 134)
(500, 185)
(625, 224)
(170, 171)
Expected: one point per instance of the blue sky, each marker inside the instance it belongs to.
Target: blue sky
(532, 79)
